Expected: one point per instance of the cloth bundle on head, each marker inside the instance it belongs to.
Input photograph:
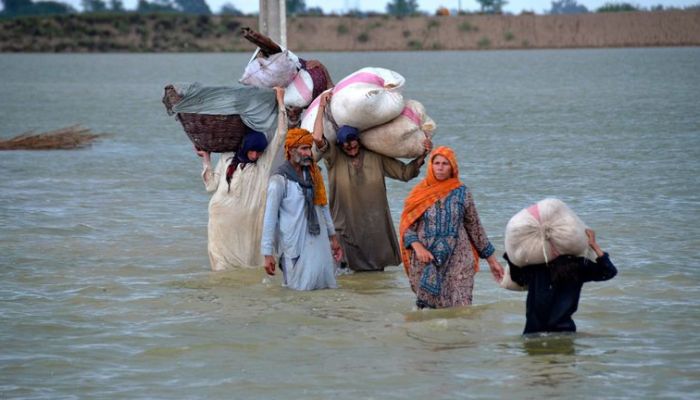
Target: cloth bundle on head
(347, 133)
(426, 193)
(540, 233)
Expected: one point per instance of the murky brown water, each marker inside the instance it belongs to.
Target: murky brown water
(104, 284)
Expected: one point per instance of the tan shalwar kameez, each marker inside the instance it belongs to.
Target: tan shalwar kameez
(359, 206)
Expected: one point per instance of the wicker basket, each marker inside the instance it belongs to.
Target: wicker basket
(213, 133)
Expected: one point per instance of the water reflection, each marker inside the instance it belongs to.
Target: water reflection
(552, 360)
(550, 344)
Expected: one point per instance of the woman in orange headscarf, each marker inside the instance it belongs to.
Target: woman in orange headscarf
(442, 237)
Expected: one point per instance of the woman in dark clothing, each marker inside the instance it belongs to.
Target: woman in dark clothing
(554, 289)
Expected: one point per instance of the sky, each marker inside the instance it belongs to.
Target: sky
(512, 6)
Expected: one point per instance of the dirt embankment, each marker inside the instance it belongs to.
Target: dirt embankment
(158, 33)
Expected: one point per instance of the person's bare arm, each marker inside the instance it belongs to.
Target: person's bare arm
(593, 244)
(319, 139)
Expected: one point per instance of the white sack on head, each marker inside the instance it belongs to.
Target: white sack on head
(309, 117)
(543, 231)
(299, 93)
(403, 136)
(276, 70)
(368, 97)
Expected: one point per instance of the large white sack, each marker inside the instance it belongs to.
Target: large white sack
(403, 136)
(299, 93)
(276, 70)
(508, 283)
(368, 97)
(543, 231)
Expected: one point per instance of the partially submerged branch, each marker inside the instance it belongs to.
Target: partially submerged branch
(72, 137)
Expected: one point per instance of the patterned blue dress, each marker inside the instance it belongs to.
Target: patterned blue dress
(447, 229)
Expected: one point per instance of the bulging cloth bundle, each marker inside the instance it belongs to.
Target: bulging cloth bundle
(540, 233)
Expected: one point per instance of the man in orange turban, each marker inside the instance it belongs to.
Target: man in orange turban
(298, 220)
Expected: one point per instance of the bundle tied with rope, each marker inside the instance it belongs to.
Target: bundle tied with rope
(540, 233)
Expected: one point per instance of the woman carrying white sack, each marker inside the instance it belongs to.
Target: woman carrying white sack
(547, 249)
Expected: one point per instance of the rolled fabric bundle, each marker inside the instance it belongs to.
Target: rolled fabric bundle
(403, 136)
(277, 70)
(540, 233)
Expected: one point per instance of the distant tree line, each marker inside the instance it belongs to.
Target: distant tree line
(398, 8)
(572, 7)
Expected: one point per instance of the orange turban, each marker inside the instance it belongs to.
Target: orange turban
(297, 137)
(426, 193)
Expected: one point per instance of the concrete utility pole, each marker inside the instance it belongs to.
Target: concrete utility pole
(272, 21)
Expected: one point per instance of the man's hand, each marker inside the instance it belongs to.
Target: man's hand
(270, 265)
(428, 145)
(324, 98)
(336, 248)
(317, 134)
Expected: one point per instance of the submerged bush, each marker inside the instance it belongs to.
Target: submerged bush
(484, 43)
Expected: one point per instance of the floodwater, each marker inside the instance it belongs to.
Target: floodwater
(105, 288)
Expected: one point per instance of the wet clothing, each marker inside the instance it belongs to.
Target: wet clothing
(305, 258)
(235, 212)
(359, 205)
(448, 229)
(554, 289)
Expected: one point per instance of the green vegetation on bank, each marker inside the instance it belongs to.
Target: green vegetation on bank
(397, 8)
(129, 32)
(178, 32)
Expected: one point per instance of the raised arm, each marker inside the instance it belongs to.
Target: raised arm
(319, 139)
(211, 176)
(322, 148)
(603, 269)
(275, 144)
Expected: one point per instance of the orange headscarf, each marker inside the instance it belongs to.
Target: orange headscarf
(426, 193)
(297, 137)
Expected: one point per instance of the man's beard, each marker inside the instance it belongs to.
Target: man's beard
(301, 160)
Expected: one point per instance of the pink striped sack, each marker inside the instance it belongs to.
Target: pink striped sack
(299, 93)
(403, 136)
(540, 233)
(367, 98)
